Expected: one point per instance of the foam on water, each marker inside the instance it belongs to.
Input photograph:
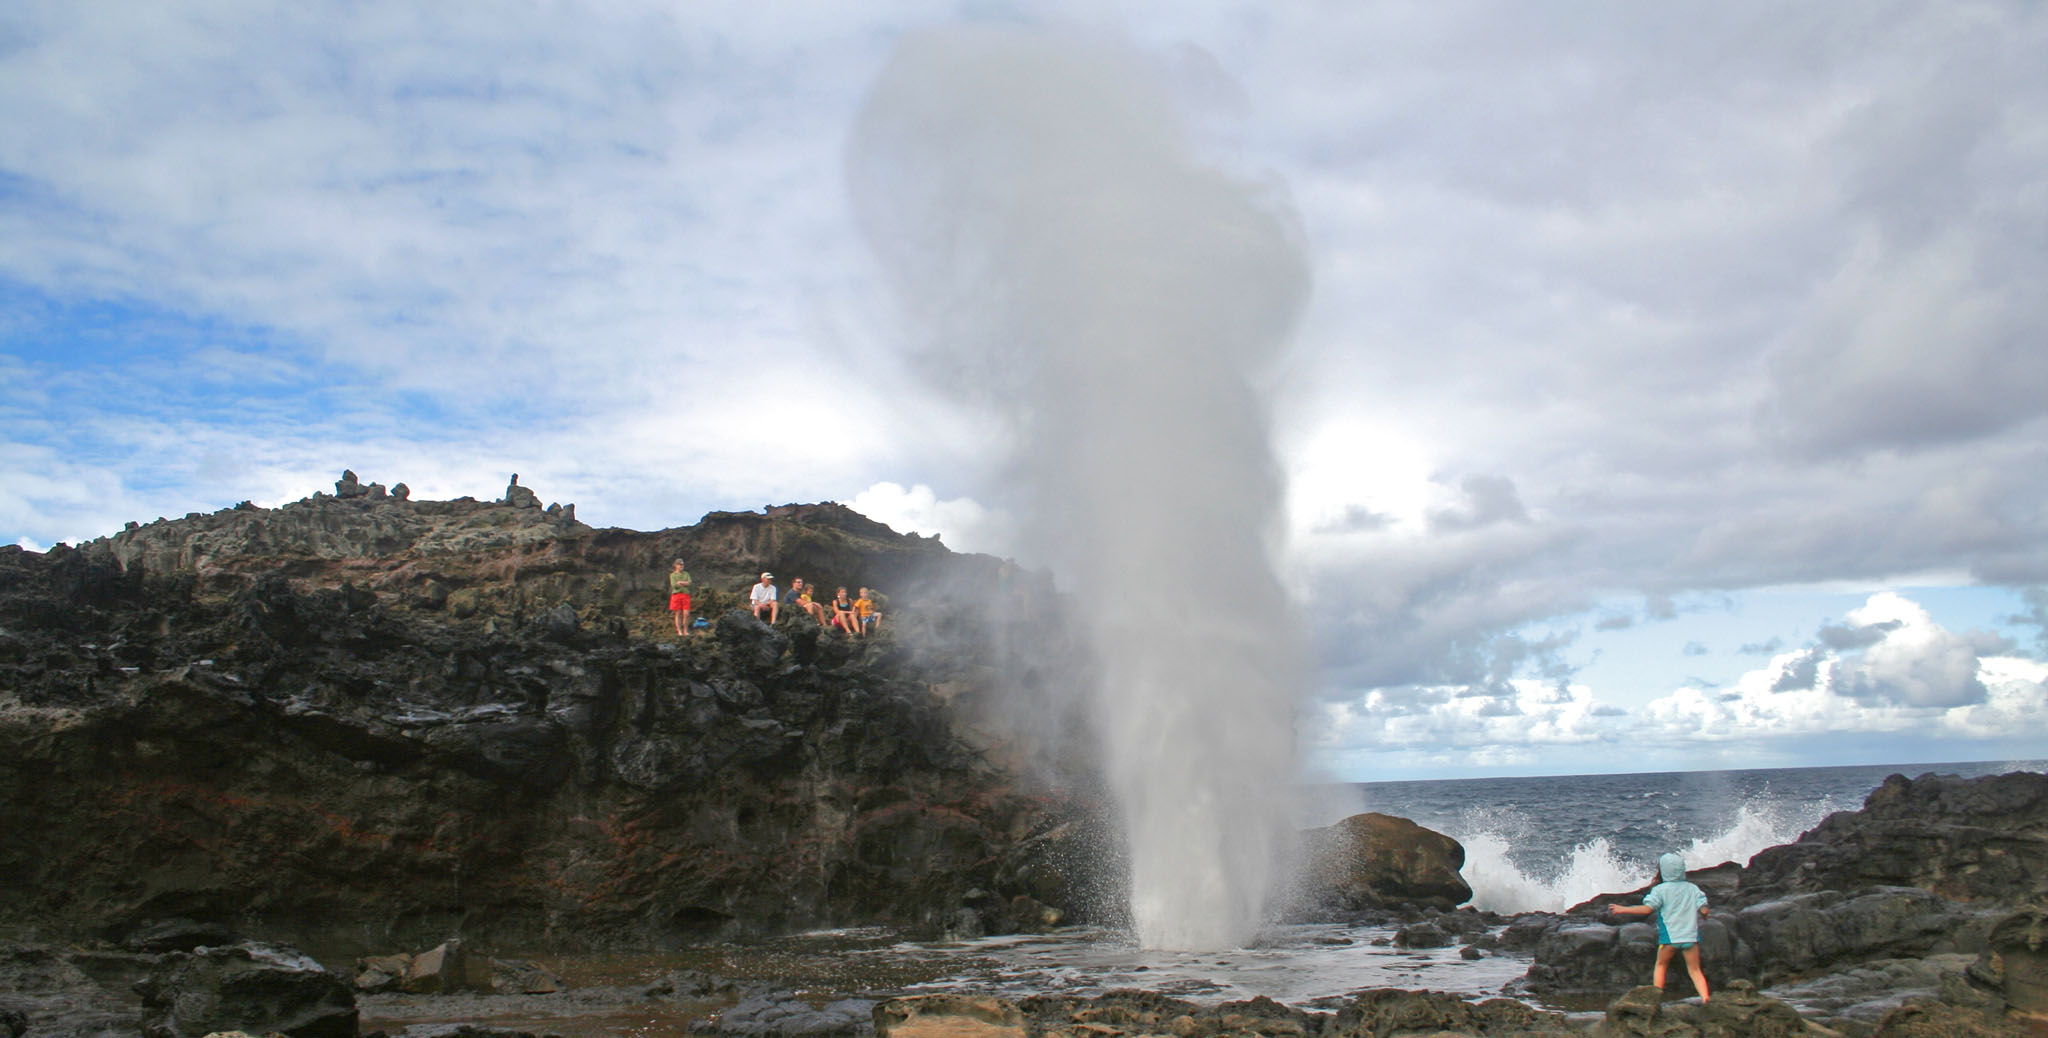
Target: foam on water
(1504, 882)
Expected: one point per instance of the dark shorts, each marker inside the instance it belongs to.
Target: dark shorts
(679, 602)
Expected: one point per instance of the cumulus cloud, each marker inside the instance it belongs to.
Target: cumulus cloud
(1916, 679)
(1911, 660)
(966, 524)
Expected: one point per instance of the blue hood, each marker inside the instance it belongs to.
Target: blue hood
(1671, 867)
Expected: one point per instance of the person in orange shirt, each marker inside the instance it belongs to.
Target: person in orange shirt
(868, 611)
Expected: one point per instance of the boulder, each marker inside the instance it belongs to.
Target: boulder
(520, 497)
(1374, 861)
(446, 968)
(376, 974)
(521, 977)
(2020, 942)
(1422, 935)
(260, 988)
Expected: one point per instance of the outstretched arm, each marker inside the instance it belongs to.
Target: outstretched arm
(1631, 909)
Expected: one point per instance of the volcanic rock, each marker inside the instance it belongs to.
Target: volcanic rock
(2020, 944)
(784, 1015)
(248, 987)
(1982, 839)
(362, 722)
(445, 968)
(1374, 860)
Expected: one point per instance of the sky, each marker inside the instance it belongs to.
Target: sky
(1670, 392)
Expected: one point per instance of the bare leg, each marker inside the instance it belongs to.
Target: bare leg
(1699, 974)
(1664, 952)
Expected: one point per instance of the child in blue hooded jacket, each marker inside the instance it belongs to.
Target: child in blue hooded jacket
(1679, 905)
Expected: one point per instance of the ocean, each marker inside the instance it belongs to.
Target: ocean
(1545, 844)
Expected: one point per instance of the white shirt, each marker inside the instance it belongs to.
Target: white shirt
(763, 594)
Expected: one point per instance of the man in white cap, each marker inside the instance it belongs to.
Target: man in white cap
(764, 598)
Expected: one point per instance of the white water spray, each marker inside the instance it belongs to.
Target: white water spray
(1076, 269)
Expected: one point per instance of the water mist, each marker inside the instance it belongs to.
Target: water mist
(1068, 263)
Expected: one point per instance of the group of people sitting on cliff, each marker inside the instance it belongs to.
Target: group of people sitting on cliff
(858, 617)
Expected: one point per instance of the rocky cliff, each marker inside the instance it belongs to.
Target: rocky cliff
(363, 721)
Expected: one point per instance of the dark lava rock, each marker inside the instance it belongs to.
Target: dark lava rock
(1983, 839)
(781, 1014)
(251, 987)
(466, 1031)
(1373, 860)
(1383, 1013)
(366, 723)
(1575, 956)
(1422, 935)
(1809, 932)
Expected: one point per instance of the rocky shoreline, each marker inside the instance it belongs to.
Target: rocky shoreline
(361, 724)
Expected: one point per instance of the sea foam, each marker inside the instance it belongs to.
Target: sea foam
(1507, 882)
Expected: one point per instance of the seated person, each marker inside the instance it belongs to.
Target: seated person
(868, 610)
(763, 597)
(842, 614)
(800, 598)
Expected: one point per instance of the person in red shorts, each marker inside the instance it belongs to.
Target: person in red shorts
(679, 597)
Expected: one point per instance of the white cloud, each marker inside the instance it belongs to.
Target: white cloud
(962, 522)
(1907, 682)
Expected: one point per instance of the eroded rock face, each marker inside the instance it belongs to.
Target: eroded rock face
(282, 727)
(1966, 840)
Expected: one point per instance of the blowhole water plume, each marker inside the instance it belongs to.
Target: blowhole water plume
(1069, 264)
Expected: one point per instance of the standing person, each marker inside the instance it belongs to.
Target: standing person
(868, 611)
(763, 597)
(842, 614)
(679, 597)
(1679, 905)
